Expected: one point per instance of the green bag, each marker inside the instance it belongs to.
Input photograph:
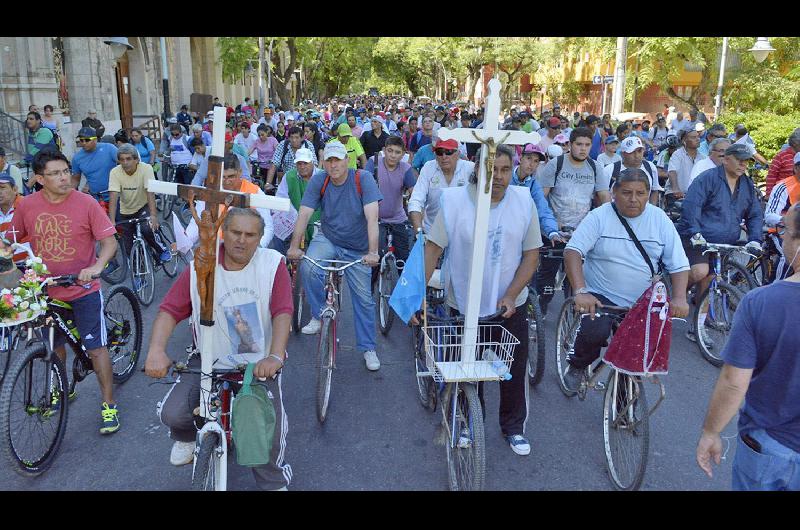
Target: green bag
(252, 422)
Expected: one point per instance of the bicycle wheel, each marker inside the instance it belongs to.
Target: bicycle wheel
(626, 430)
(327, 343)
(142, 276)
(386, 282)
(207, 464)
(298, 297)
(717, 306)
(116, 269)
(33, 410)
(167, 235)
(124, 331)
(426, 387)
(566, 332)
(738, 276)
(536, 341)
(466, 449)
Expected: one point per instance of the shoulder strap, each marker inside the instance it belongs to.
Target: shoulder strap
(593, 166)
(248, 378)
(559, 165)
(635, 239)
(615, 173)
(358, 182)
(649, 170)
(283, 156)
(375, 163)
(324, 186)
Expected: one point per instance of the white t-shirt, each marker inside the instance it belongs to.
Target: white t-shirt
(654, 185)
(699, 167)
(603, 159)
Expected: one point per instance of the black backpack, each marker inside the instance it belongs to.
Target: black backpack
(618, 169)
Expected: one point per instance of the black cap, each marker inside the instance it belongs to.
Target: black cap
(592, 119)
(87, 132)
(740, 151)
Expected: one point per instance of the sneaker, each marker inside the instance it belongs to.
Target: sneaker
(165, 256)
(55, 404)
(111, 266)
(464, 439)
(572, 378)
(312, 328)
(708, 341)
(182, 453)
(110, 419)
(519, 444)
(371, 357)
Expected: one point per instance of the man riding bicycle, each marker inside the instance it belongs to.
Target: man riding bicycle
(783, 196)
(249, 281)
(64, 226)
(95, 162)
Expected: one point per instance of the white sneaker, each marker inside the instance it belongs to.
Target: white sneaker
(372, 360)
(312, 328)
(182, 453)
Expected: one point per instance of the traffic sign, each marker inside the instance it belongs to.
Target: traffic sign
(597, 80)
(602, 79)
(608, 79)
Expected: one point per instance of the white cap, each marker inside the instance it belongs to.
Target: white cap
(303, 155)
(334, 149)
(554, 151)
(631, 144)
(797, 158)
(699, 126)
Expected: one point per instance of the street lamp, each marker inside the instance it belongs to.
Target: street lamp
(119, 45)
(250, 72)
(761, 49)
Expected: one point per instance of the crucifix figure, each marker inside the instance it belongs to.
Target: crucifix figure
(490, 136)
(205, 258)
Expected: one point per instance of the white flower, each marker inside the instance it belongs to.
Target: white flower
(17, 299)
(24, 305)
(37, 259)
(35, 306)
(43, 305)
(29, 262)
(6, 291)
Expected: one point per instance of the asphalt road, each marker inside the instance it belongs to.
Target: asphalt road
(378, 437)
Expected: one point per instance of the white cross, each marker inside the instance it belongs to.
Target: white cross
(492, 133)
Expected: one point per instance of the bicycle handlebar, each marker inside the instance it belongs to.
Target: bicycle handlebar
(347, 264)
(134, 220)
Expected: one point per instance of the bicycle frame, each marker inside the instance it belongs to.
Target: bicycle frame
(715, 264)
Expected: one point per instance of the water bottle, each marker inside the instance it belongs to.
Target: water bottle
(498, 366)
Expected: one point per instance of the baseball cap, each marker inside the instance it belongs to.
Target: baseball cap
(87, 132)
(631, 144)
(740, 151)
(8, 179)
(592, 119)
(533, 148)
(303, 155)
(611, 139)
(554, 122)
(796, 157)
(699, 126)
(584, 114)
(267, 110)
(210, 114)
(344, 130)
(446, 144)
(378, 119)
(335, 149)
(91, 111)
(561, 139)
(554, 151)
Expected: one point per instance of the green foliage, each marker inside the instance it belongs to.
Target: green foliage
(234, 53)
(769, 131)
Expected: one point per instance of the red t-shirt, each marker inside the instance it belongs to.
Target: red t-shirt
(64, 235)
(178, 301)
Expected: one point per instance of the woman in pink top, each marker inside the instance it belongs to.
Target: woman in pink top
(265, 147)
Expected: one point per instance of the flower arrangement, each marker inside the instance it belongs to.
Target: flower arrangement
(27, 299)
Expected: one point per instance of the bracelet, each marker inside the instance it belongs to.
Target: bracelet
(275, 356)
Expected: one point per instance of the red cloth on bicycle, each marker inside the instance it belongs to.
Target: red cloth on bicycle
(641, 344)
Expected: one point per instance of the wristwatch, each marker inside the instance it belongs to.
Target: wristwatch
(582, 290)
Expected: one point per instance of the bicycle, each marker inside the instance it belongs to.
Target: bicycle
(210, 468)
(34, 397)
(387, 278)
(326, 352)
(462, 428)
(625, 412)
(762, 269)
(143, 257)
(713, 315)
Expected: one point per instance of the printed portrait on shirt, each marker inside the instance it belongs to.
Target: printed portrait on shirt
(244, 328)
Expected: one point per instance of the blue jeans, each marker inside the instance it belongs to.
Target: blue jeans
(775, 468)
(280, 245)
(358, 280)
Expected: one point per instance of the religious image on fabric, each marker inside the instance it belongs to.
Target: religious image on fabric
(244, 328)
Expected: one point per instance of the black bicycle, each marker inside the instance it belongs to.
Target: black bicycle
(34, 396)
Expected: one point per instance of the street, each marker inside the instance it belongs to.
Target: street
(377, 435)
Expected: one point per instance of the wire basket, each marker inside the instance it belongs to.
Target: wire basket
(494, 353)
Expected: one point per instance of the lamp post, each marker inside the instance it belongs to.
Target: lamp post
(165, 76)
(760, 50)
(119, 45)
(261, 73)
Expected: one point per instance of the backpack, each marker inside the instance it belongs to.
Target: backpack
(328, 179)
(253, 421)
(618, 169)
(560, 165)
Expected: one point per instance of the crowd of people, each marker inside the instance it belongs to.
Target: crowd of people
(365, 165)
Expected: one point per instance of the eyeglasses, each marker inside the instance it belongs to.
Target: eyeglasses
(86, 140)
(443, 152)
(65, 173)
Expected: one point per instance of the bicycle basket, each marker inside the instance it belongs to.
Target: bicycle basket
(494, 353)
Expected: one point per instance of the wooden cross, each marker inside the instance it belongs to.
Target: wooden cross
(214, 196)
(490, 136)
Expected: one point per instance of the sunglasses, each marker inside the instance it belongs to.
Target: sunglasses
(443, 152)
(86, 140)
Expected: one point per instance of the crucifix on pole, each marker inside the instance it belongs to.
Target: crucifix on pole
(215, 198)
(490, 136)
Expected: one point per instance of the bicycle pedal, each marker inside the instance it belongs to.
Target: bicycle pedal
(600, 386)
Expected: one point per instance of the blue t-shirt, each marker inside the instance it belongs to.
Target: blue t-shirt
(97, 166)
(766, 338)
(144, 147)
(423, 155)
(343, 220)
